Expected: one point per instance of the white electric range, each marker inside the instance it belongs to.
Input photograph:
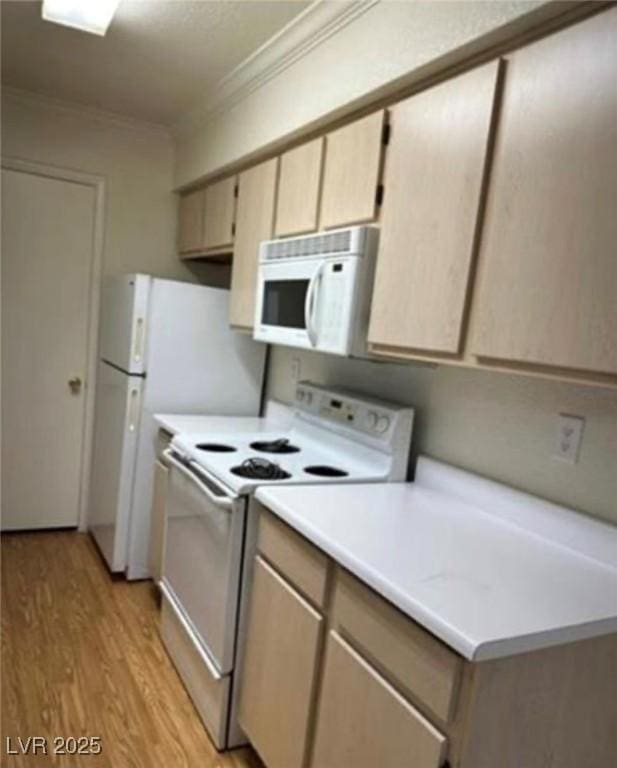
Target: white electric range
(334, 436)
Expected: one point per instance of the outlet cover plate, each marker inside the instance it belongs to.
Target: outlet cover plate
(568, 438)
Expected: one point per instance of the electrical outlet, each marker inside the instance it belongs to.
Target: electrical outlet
(568, 438)
(295, 368)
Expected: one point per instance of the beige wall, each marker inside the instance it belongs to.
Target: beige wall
(136, 161)
(496, 424)
(392, 41)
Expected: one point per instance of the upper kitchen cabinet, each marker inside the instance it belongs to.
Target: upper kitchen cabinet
(433, 184)
(254, 223)
(190, 222)
(299, 186)
(352, 172)
(220, 202)
(548, 264)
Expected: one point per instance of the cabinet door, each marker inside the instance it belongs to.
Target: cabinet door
(432, 191)
(254, 223)
(299, 187)
(220, 207)
(191, 221)
(363, 722)
(352, 172)
(158, 520)
(548, 265)
(279, 669)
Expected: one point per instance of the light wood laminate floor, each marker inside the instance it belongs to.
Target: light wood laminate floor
(82, 656)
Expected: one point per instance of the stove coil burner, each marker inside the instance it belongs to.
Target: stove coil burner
(321, 470)
(260, 469)
(216, 447)
(282, 445)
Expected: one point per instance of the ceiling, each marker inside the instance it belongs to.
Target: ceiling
(157, 58)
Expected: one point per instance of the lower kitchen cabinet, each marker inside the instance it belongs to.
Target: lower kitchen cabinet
(364, 722)
(387, 693)
(158, 520)
(278, 678)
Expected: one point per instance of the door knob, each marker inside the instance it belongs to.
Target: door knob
(75, 385)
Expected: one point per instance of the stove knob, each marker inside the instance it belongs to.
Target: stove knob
(309, 397)
(371, 420)
(300, 395)
(383, 423)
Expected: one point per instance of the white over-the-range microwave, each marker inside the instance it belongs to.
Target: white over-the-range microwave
(315, 291)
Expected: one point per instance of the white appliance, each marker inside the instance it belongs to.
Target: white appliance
(163, 346)
(315, 291)
(334, 436)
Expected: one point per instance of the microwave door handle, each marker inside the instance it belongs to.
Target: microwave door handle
(308, 302)
(309, 305)
(225, 502)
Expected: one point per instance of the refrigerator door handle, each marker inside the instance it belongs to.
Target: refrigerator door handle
(133, 410)
(138, 352)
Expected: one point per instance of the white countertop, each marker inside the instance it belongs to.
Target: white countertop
(177, 424)
(483, 581)
(197, 423)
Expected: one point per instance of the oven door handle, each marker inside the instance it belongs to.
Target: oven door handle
(224, 502)
(310, 303)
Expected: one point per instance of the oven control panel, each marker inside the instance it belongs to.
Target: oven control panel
(373, 418)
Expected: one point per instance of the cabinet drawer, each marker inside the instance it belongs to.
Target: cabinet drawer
(302, 563)
(416, 661)
(209, 693)
(363, 722)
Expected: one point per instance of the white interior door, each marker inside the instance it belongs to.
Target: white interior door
(47, 258)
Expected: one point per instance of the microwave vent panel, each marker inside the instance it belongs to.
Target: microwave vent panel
(327, 243)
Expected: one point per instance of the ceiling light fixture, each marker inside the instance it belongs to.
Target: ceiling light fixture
(88, 15)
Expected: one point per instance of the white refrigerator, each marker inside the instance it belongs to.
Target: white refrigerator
(164, 346)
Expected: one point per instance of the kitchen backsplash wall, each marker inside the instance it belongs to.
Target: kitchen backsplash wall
(499, 425)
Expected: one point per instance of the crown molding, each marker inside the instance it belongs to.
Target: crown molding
(320, 21)
(34, 98)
